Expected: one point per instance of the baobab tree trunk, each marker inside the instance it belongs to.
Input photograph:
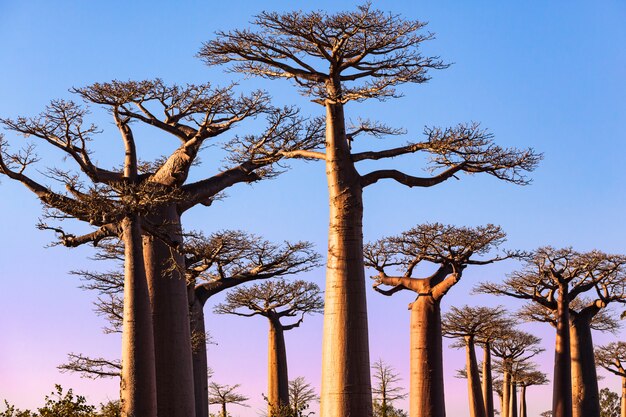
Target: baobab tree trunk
(224, 410)
(522, 401)
(476, 403)
(506, 394)
(199, 357)
(562, 384)
(513, 403)
(346, 385)
(426, 382)
(585, 395)
(487, 381)
(170, 315)
(623, 401)
(138, 383)
(277, 375)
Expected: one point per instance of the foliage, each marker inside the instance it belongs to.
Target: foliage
(59, 404)
(609, 403)
(388, 411)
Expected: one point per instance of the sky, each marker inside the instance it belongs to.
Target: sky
(546, 75)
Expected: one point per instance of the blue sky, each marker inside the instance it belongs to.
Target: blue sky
(549, 75)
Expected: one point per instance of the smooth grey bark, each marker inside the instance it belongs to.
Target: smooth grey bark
(487, 381)
(138, 379)
(562, 384)
(476, 402)
(585, 393)
(277, 375)
(170, 315)
(346, 385)
(426, 381)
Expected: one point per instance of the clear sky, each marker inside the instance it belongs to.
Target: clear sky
(549, 75)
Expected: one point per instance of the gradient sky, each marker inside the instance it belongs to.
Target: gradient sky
(549, 75)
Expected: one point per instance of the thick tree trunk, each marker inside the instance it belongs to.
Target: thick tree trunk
(506, 394)
(585, 395)
(170, 315)
(522, 402)
(277, 375)
(487, 381)
(562, 384)
(623, 400)
(224, 414)
(513, 404)
(346, 386)
(476, 403)
(426, 382)
(199, 356)
(138, 384)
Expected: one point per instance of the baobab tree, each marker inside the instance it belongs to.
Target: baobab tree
(275, 300)
(469, 325)
(224, 395)
(213, 264)
(386, 390)
(512, 348)
(612, 357)
(585, 314)
(451, 249)
(334, 60)
(554, 278)
(151, 197)
(227, 259)
(527, 379)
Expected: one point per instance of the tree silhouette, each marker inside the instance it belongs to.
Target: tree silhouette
(275, 300)
(554, 278)
(334, 60)
(525, 379)
(385, 389)
(224, 395)
(301, 395)
(471, 325)
(451, 249)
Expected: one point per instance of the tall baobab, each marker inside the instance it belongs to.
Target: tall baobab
(385, 389)
(527, 379)
(469, 325)
(585, 314)
(612, 357)
(152, 197)
(275, 300)
(224, 395)
(334, 60)
(227, 259)
(554, 278)
(451, 249)
(510, 348)
(213, 264)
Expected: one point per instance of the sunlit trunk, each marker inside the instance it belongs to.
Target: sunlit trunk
(623, 399)
(138, 383)
(522, 401)
(585, 395)
(199, 356)
(487, 381)
(562, 384)
(426, 382)
(346, 386)
(170, 315)
(476, 403)
(513, 403)
(277, 376)
(506, 394)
